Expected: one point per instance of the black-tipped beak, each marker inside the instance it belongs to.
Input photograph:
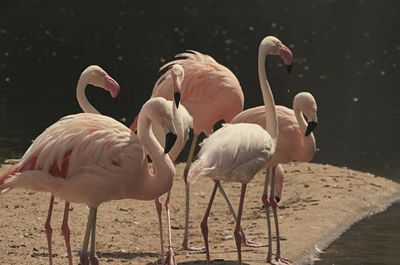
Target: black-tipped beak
(170, 139)
(177, 98)
(310, 127)
(277, 199)
(289, 68)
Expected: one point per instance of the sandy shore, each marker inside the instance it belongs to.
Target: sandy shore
(319, 203)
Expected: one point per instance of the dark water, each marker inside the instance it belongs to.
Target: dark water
(374, 240)
(346, 53)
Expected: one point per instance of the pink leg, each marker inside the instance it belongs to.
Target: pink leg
(246, 242)
(84, 256)
(238, 236)
(66, 232)
(185, 243)
(159, 210)
(170, 254)
(49, 230)
(266, 203)
(94, 260)
(204, 225)
(273, 203)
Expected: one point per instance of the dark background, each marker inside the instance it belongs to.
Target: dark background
(346, 54)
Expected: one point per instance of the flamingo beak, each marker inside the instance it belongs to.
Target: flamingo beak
(177, 98)
(170, 139)
(111, 86)
(277, 198)
(289, 68)
(287, 57)
(310, 127)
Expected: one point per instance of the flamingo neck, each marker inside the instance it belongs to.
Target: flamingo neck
(307, 152)
(269, 103)
(81, 96)
(300, 119)
(179, 127)
(161, 182)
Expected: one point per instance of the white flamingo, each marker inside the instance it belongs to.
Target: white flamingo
(237, 152)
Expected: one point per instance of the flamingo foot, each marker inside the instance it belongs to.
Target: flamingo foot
(185, 246)
(170, 260)
(84, 258)
(252, 244)
(280, 261)
(269, 258)
(94, 260)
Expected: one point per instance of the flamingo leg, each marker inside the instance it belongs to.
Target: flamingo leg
(66, 232)
(246, 242)
(49, 230)
(238, 235)
(185, 243)
(94, 260)
(84, 258)
(273, 203)
(204, 223)
(159, 210)
(170, 254)
(266, 203)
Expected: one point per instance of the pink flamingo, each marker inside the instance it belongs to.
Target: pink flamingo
(210, 92)
(296, 142)
(95, 76)
(238, 151)
(90, 158)
(183, 122)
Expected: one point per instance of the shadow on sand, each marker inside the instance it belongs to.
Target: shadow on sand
(216, 262)
(126, 255)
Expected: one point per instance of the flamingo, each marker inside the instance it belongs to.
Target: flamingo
(183, 122)
(236, 152)
(95, 76)
(210, 92)
(91, 158)
(296, 142)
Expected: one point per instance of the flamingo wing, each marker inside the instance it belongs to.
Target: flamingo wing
(234, 153)
(210, 91)
(76, 144)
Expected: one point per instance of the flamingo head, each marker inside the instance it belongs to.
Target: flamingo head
(96, 76)
(177, 74)
(273, 46)
(159, 111)
(307, 105)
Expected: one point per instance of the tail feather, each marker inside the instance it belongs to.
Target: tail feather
(198, 169)
(33, 180)
(6, 174)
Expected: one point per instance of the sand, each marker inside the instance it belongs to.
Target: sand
(319, 203)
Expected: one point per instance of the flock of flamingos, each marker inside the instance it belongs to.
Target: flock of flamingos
(90, 158)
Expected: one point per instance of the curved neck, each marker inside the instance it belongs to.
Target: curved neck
(309, 141)
(300, 119)
(161, 181)
(81, 96)
(271, 122)
(180, 141)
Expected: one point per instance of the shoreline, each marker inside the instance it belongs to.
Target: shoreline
(319, 203)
